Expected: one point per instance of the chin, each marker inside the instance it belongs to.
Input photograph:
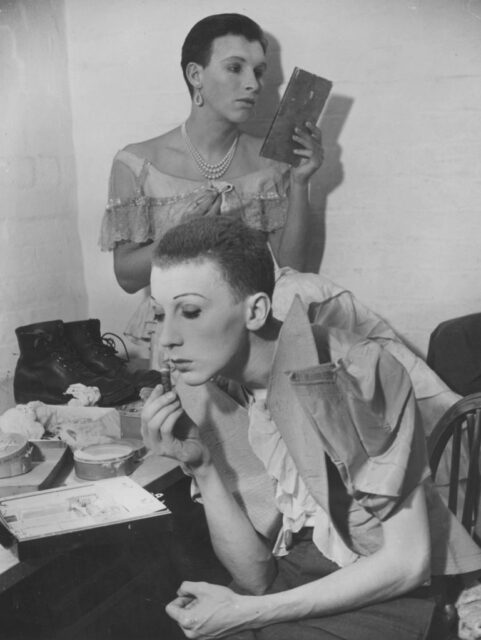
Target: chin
(240, 117)
(244, 117)
(193, 378)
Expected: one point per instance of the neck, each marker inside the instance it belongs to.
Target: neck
(212, 136)
(255, 371)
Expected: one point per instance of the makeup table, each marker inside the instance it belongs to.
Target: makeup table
(154, 473)
(76, 593)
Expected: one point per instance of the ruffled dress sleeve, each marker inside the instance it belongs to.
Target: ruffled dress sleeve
(144, 203)
(126, 216)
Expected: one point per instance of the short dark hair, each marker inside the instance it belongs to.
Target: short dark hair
(240, 252)
(197, 46)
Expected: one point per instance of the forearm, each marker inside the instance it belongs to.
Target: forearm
(213, 611)
(402, 564)
(367, 581)
(237, 545)
(291, 249)
(132, 265)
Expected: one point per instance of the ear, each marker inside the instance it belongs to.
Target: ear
(258, 307)
(193, 71)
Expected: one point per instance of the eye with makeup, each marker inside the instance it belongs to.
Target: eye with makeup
(234, 67)
(190, 311)
(237, 68)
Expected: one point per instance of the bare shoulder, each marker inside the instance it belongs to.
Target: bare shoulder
(251, 146)
(252, 143)
(158, 148)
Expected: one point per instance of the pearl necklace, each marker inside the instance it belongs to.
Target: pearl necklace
(208, 170)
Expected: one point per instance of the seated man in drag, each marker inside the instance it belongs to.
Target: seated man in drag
(305, 446)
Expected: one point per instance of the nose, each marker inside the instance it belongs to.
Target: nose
(252, 82)
(168, 334)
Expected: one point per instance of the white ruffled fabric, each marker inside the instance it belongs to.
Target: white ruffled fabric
(298, 507)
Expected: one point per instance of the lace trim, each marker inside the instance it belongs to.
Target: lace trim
(260, 199)
(144, 218)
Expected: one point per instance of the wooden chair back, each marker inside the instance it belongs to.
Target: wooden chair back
(459, 430)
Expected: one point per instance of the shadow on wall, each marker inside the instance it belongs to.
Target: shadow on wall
(331, 175)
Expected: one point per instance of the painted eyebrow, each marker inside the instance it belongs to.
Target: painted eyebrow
(189, 293)
(180, 295)
(242, 59)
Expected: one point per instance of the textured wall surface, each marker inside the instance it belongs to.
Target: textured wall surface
(41, 268)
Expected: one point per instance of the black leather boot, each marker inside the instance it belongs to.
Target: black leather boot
(101, 357)
(48, 365)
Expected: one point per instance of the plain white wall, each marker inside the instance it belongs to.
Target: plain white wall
(400, 189)
(41, 268)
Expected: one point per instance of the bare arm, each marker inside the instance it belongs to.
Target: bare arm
(245, 554)
(132, 264)
(402, 564)
(131, 259)
(289, 244)
(399, 566)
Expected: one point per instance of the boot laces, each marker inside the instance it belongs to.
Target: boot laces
(103, 346)
(110, 347)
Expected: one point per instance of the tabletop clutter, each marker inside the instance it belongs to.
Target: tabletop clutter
(78, 406)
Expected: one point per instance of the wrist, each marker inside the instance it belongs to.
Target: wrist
(253, 611)
(263, 610)
(201, 472)
(298, 181)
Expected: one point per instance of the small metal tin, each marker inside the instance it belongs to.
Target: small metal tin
(15, 455)
(100, 461)
(139, 448)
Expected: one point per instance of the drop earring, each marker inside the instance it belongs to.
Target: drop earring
(198, 99)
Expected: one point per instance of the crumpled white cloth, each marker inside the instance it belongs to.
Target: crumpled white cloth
(298, 507)
(83, 396)
(468, 606)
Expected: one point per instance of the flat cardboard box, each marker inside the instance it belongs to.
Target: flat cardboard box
(50, 521)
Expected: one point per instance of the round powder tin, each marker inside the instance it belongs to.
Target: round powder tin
(15, 455)
(100, 461)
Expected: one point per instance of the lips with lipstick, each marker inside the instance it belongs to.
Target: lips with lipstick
(247, 102)
(180, 364)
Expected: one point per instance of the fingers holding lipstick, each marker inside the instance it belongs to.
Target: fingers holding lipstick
(159, 415)
(169, 431)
